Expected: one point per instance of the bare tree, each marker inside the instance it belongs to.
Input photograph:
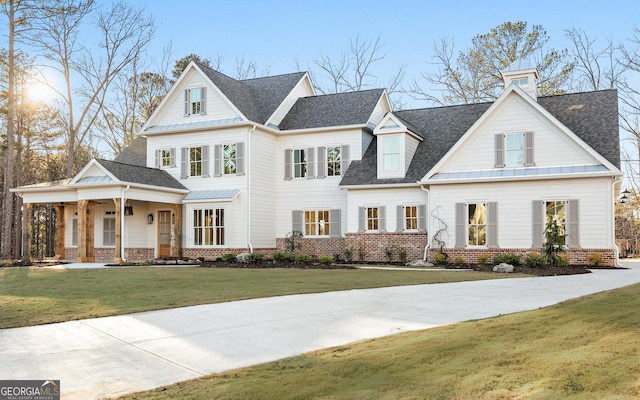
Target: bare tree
(474, 74)
(124, 33)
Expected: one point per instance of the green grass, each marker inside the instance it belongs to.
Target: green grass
(32, 296)
(588, 348)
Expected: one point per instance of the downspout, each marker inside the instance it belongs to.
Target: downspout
(247, 173)
(122, 222)
(428, 221)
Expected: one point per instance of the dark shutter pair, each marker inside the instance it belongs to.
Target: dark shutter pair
(461, 225)
(184, 162)
(187, 101)
(218, 159)
(172, 162)
(422, 218)
(572, 223)
(528, 150)
(335, 222)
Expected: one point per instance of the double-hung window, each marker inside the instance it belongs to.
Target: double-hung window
(334, 160)
(477, 224)
(208, 227)
(316, 223)
(195, 161)
(391, 153)
(299, 163)
(514, 150)
(166, 158)
(411, 218)
(195, 101)
(372, 219)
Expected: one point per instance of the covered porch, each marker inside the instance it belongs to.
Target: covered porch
(102, 217)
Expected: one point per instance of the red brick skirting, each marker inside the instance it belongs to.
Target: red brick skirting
(386, 246)
(576, 256)
(213, 253)
(106, 254)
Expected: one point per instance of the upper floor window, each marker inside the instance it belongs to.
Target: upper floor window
(334, 159)
(391, 153)
(166, 158)
(229, 158)
(299, 163)
(514, 149)
(195, 101)
(195, 161)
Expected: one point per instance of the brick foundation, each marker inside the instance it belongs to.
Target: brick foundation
(576, 256)
(106, 254)
(316, 246)
(213, 253)
(385, 246)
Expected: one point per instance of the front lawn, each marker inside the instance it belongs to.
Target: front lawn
(32, 296)
(586, 348)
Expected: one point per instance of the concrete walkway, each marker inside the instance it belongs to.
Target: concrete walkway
(104, 357)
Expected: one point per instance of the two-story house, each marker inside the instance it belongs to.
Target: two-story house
(238, 166)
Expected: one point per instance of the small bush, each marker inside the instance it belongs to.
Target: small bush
(439, 258)
(326, 260)
(348, 253)
(402, 255)
(254, 258)
(304, 258)
(229, 257)
(562, 261)
(596, 259)
(509, 258)
(535, 260)
(458, 261)
(388, 252)
(283, 257)
(483, 259)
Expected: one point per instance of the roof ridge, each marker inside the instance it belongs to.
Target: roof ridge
(273, 76)
(344, 93)
(130, 165)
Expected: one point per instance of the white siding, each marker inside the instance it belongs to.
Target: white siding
(315, 193)
(381, 109)
(390, 198)
(216, 106)
(411, 144)
(514, 208)
(263, 189)
(552, 147)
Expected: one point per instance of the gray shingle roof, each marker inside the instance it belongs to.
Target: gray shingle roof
(142, 175)
(592, 116)
(256, 98)
(351, 108)
(135, 153)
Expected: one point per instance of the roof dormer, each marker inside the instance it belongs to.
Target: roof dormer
(523, 74)
(397, 144)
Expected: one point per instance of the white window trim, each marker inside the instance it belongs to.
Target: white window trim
(191, 234)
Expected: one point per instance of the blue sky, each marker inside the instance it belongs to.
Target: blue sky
(276, 33)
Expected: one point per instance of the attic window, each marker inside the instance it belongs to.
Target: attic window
(391, 153)
(522, 82)
(195, 101)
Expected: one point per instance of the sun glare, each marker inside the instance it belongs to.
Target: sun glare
(39, 93)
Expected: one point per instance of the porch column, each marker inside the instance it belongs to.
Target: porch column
(117, 258)
(177, 230)
(60, 231)
(86, 227)
(26, 233)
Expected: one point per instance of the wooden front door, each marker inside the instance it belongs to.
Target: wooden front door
(164, 234)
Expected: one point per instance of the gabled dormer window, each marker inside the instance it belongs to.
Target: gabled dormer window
(391, 153)
(195, 101)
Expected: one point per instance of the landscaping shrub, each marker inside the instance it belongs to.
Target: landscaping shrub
(283, 257)
(326, 260)
(402, 255)
(483, 259)
(563, 260)
(535, 260)
(439, 258)
(304, 258)
(509, 258)
(554, 245)
(348, 253)
(458, 261)
(596, 259)
(388, 252)
(254, 258)
(229, 257)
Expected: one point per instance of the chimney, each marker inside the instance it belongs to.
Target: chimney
(523, 74)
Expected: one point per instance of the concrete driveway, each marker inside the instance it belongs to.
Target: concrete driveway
(105, 357)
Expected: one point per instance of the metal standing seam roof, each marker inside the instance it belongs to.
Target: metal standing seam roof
(518, 172)
(219, 194)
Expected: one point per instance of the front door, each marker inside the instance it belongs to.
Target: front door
(164, 234)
